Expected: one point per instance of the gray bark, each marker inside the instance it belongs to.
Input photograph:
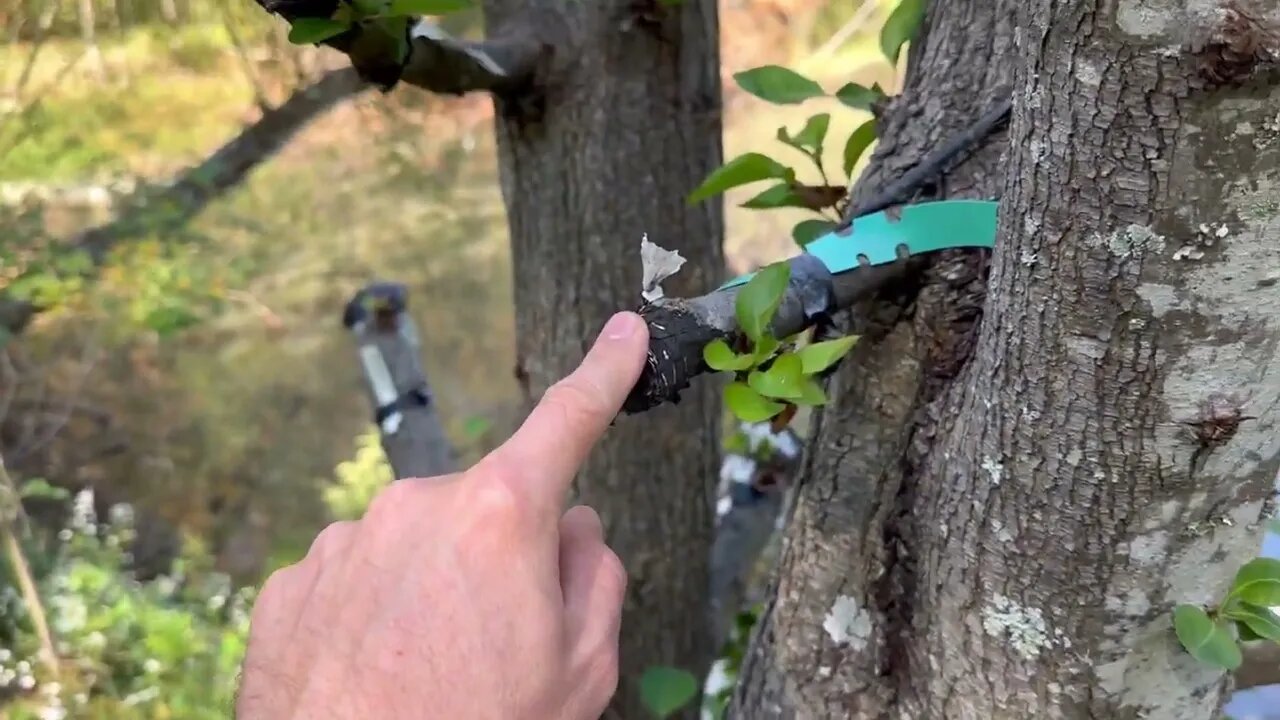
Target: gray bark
(1008, 494)
(605, 150)
(389, 350)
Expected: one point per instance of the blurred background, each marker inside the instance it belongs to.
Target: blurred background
(198, 397)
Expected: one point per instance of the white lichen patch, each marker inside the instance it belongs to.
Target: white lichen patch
(994, 469)
(1131, 241)
(848, 623)
(1146, 18)
(1023, 627)
(1087, 73)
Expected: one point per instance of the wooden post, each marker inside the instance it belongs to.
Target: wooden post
(388, 347)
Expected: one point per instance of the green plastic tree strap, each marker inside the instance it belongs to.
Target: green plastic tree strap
(923, 227)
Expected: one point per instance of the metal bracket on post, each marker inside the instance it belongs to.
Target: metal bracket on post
(389, 350)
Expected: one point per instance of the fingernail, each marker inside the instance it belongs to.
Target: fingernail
(621, 326)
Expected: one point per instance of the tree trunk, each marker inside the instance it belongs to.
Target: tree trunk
(1020, 475)
(628, 123)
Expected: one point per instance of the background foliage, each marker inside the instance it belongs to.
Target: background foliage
(201, 378)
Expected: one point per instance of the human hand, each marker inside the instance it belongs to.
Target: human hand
(467, 597)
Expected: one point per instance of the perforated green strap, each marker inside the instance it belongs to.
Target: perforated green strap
(923, 227)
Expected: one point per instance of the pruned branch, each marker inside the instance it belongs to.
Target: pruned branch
(435, 60)
(680, 328)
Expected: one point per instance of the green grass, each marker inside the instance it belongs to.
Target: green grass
(167, 99)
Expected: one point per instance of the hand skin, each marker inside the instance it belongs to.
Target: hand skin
(464, 597)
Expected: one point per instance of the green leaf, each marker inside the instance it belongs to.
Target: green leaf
(40, 488)
(759, 298)
(1258, 582)
(764, 348)
(781, 380)
(1262, 622)
(811, 136)
(1246, 635)
(820, 356)
(775, 197)
(719, 356)
(811, 393)
(748, 405)
(741, 170)
(778, 85)
(308, 31)
(859, 140)
(427, 7)
(1207, 641)
(806, 231)
(860, 96)
(664, 690)
(901, 26)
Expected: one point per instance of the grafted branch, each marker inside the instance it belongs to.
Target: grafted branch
(436, 61)
(680, 328)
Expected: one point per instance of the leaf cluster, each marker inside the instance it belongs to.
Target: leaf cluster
(1246, 614)
(772, 378)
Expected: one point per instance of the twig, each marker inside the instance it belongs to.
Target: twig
(10, 508)
(846, 31)
(43, 24)
(436, 60)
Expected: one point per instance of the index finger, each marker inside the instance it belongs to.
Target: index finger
(554, 441)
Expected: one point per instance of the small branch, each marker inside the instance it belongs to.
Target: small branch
(10, 507)
(680, 328)
(1261, 666)
(435, 61)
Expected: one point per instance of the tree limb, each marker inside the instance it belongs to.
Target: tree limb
(1261, 666)
(435, 61)
(680, 328)
(192, 191)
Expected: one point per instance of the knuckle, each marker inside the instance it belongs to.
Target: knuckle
(332, 538)
(497, 498)
(393, 500)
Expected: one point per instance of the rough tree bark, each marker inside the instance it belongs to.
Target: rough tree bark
(626, 124)
(1022, 472)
